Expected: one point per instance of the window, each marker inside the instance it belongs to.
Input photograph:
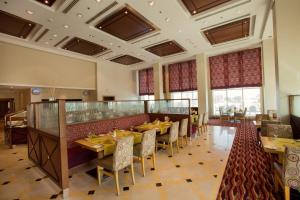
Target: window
(192, 95)
(238, 98)
(146, 97)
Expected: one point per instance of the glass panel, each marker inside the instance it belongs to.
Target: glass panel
(77, 112)
(169, 106)
(235, 99)
(219, 100)
(30, 116)
(252, 101)
(175, 95)
(47, 117)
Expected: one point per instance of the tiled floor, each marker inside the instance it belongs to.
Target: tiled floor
(193, 173)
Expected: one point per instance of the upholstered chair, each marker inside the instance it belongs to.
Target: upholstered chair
(205, 120)
(288, 175)
(170, 138)
(200, 124)
(264, 124)
(279, 130)
(121, 158)
(146, 148)
(183, 130)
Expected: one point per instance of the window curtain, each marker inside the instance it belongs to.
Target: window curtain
(146, 82)
(238, 69)
(182, 76)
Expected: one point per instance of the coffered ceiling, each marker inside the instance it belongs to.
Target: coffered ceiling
(138, 32)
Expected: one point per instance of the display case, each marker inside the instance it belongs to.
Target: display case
(15, 128)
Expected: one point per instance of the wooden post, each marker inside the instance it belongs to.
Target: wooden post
(64, 182)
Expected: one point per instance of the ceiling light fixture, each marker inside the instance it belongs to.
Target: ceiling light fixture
(179, 30)
(66, 26)
(126, 12)
(79, 15)
(110, 43)
(98, 1)
(151, 3)
(29, 12)
(194, 12)
(167, 19)
(54, 35)
(46, 1)
(47, 43)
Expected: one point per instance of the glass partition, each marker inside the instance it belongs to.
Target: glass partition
(30, 115)
(295, 105)
(169, 106)
(47, 117)
(77, 112)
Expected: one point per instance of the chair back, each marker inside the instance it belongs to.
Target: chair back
(264, 124)
(148, 143)
(183, 127)
(245, 111)
(205, 118)
(123, 155)
(173, 136)
(271, 113)
(292, 168)
(281, 130)
(200, 120)
(260, 117)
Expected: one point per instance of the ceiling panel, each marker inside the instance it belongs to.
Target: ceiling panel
(126, 60)
(84, 47)
(14, 25)
(166, 48)
(232, 31)
(198, 6)
(47, 2)
(126, 24)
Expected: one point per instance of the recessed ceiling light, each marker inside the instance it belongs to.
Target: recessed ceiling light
(79, 15)
(98, 1)
(29, 12)
(47, 43)
(29, 24)
(54, 35)
(194, 12)
(66, 26)
(110, 43)
(167, 19)
(151, 3)
(126, 12)
(179, 31)
(46, 1)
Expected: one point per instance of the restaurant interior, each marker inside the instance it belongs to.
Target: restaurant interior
(149, 99)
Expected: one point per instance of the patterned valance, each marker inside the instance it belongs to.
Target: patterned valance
(146, 82)
(238, 69)
(182, 76)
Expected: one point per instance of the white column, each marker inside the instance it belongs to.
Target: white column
(287, 51)
(158, 81)
(202, 82)
(269, 87)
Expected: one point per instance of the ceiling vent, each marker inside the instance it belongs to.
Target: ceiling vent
(70, 6)
(110, 6)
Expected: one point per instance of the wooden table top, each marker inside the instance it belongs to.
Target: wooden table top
(158, 126)
(277, 145)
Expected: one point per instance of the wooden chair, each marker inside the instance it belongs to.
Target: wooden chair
(170, 138)
(200, 124)
(240, 115)
(183, 131)
(205, 121)
(122, 158)
(288, 175)
(146, 148)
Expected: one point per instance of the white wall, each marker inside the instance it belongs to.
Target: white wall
(269, 87)
(31, 67)
(287, 32)
(116, 80)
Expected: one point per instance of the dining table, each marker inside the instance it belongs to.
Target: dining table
(104, 144)
(161, 127)
(277, 145)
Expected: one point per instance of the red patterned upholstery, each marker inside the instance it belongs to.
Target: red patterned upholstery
(81, 130)
(238, 69)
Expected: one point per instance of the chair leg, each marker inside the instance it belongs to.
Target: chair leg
(143, 166)
(186, 139)
(276, 182)
(153, 160)
(132, 174)
(177, 145)
(99, 173)
(171, 148)
(117, 182)
(181, 139)
(286, 193)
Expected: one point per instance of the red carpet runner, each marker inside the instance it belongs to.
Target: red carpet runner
(248, 171)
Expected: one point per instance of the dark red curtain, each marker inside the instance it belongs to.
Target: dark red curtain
(238, 69)
(182, 76)
(146, 82)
